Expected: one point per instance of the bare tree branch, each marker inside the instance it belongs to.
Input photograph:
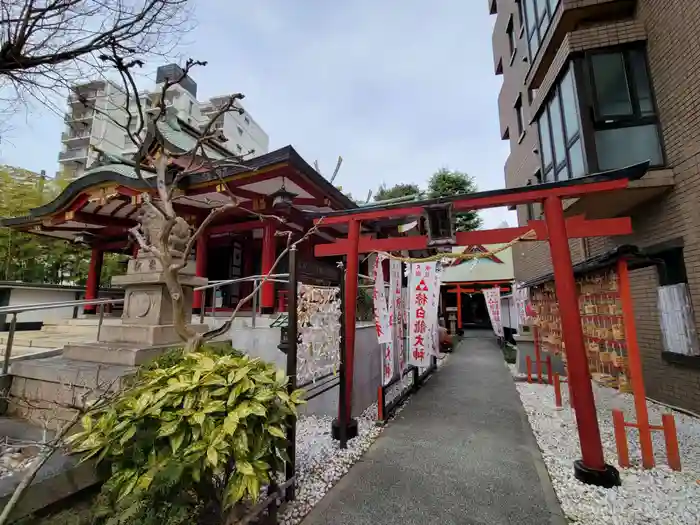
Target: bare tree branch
(53, 43)
(106, 393)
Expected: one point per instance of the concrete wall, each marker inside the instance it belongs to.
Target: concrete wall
(25, 296)
(262, 342)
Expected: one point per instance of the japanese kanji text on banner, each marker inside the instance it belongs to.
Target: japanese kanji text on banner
(423, 313)
(493, 303)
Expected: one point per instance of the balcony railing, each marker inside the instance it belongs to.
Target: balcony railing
(86, 95)
(72, 154)
(65, 137)
(73, 117)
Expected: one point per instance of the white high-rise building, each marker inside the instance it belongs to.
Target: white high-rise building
(88, 129)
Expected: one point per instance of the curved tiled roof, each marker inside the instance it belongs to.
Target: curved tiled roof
(124, 175)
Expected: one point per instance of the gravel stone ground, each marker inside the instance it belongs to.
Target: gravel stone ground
(656, 496)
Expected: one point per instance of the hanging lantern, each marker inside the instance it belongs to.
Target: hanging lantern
(282, 199)
(439, 224)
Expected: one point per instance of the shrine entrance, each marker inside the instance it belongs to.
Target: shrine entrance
(556, 229)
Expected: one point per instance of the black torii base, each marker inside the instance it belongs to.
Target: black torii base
(350, 428)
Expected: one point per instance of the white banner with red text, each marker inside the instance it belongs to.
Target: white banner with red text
(423, 313)
(493, 304)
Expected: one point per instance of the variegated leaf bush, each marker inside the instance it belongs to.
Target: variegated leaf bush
(208, 427)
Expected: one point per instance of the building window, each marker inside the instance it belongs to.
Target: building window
(519, 116)
(247, 120)
(511, 39)
(560, 133)
(671, 269)
(521, 14)
(240, 130)
(624, 120)
(538, 16)
(191, 107)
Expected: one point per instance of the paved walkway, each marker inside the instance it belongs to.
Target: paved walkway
(461, 452)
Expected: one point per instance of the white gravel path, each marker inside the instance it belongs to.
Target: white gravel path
(656, 496)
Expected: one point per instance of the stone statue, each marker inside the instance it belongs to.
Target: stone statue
(178, 238)
(152, 224)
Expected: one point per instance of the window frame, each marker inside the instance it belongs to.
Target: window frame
(512, 39)
(619, 121)
(591, 121)
(521, 17)
(519, 117)
(540, 25)
(556, 96)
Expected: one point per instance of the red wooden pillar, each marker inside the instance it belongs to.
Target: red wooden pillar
(635, 364)
(200, 269)
(459, 306)
(248, 269)
(93, 279)
(591, 468)
(350, 309)
(267, 291)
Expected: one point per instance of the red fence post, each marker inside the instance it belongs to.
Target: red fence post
(623, 454)
(528, 363)
(557, 391)
(672, 453)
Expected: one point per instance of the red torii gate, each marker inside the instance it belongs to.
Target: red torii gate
(555, 229)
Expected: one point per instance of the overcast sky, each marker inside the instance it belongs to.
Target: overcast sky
(399, 88)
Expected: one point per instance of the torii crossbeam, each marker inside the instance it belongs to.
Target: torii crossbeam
(555, 228)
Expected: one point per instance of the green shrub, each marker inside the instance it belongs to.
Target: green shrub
(509, 353)
(190, 440)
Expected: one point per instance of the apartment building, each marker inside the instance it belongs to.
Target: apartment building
(104, 127)
(592, 85)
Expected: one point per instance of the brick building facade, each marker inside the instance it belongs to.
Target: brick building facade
(590, 85)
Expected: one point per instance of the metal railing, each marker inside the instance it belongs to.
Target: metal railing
(16, 310)
(215, 285)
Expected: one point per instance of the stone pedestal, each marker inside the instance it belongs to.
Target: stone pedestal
(452, 318)
(147, 327)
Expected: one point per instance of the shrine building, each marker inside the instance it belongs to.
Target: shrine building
(99, 208)
(464, 280)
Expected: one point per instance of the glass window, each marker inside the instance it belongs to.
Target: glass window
(620, 147)
(511, 37)
(531, 19)
(561, 173)
(545, 141)
(534, 43)
(519, 116)
(549, 175)
(610, 79)
(578, 168)
(553, 7)
(642, 85)
(570, 104)
(521, 14)
(541, 6)
(557, 131)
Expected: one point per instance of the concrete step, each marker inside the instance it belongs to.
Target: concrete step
(123, 354)
(44, 390)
